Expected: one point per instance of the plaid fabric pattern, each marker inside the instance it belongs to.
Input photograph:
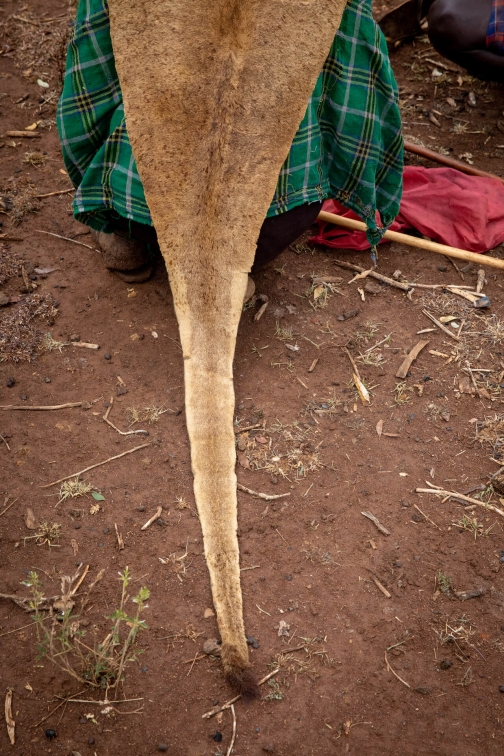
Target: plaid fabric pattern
(495, 33)
(348, 146)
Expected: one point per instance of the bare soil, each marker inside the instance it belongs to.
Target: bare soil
(310, 559)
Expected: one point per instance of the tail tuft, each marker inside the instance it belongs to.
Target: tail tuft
(243, 682)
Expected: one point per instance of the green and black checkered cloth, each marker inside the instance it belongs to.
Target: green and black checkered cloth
(348, 146)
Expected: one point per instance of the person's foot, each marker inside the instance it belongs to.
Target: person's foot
(128, 258)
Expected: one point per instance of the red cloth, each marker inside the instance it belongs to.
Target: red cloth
(441, 203)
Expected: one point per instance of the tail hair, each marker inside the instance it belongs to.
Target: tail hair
(244, 683)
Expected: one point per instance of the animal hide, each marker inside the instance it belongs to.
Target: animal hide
(214, 92)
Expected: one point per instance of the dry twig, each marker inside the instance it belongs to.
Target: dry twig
(98, 464)
(376, 522)
(228, 704)
(395, 673)
(159, 512)
(257, 495)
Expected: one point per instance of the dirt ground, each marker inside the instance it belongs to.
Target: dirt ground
(405, 668)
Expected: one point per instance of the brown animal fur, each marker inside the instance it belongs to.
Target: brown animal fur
(214, 91)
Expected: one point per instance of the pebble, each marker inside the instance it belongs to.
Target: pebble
(108, 356)
(91, 741)
(251, 641)
(51, 734)
(145, 669)
(140, 509)
(288, 577)
(82, 720)
(501, 688)
(77, 526)
(47, 380)
(106, 531)
(217, 736)
(442, 268)
(445, 664)
(162, 747)
(24, 397)
(10, 382)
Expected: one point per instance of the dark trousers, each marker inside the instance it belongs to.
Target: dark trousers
(276, 233)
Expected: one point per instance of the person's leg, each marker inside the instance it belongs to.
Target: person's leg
(281, 230)
(458, 30)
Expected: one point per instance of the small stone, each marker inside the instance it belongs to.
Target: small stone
(10, 382)
(51, 734)
(82, 720)
(416, 517)
(251, 641)
(162, 747)
(47, 380)
(108, 356)
(501, 688)
(445, 664)
(397, 564)
(24, 397)
(288, 578)
(217, 736)
(140, 509)
(145, 669)
(269, 748)
(91, 741)
(159, 521)
(74, 337)
(212, 647)
(77, 526)
(442, 268)
(106, 531)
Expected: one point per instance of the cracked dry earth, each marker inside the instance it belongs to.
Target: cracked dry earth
(408, 668)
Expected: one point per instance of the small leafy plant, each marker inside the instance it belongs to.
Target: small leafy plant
(61, 640)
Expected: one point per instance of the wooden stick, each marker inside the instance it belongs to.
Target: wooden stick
(381, 587)
(159, 512)
(455, 495)
(84, 344)
(427, 518)
(410, 358)
(41, 407)
(53, 194)
(7, 508)
(376, 522)
(395, 673)
(373, 274)
(413, 241)
(228, 704)
(65, 700)
(441, 326)
(66, 238)
(230, 749)
(266, 497)
(23, 134)
(98, 464)
(445, 160)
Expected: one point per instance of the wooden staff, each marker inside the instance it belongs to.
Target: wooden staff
(450, 162)
(413, 241)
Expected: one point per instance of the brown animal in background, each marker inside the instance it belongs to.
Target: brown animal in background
(214, 92)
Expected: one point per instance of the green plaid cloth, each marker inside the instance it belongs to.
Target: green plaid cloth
(348, 146)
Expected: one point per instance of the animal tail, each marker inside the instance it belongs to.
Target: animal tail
(239, 675)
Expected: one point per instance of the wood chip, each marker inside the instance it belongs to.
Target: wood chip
(30, 519)
(411, 357)
(465, 595)
(376, 522)
(11, 725)
(379, 428)
(313, 365)
(120, 541)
